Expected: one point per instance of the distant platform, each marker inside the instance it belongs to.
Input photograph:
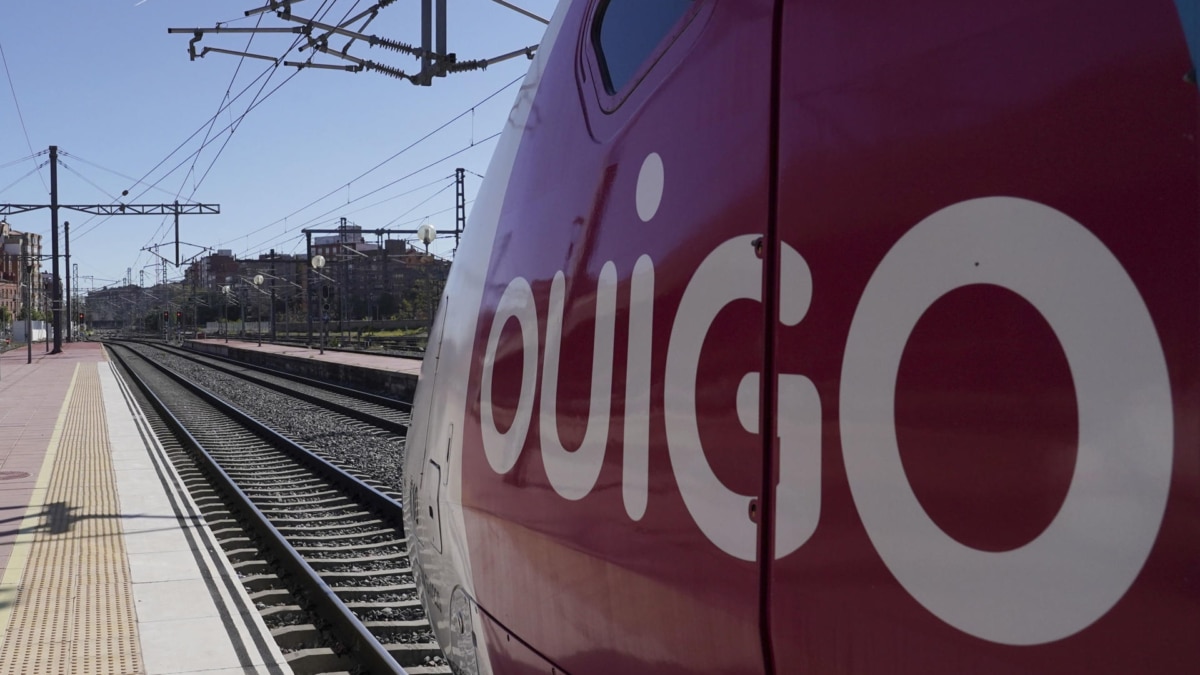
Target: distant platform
(390, 375)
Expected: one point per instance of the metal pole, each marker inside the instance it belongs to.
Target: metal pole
(460, 204)
(321, 308)
(55, 290)
(74, 281)
(28, 262)
(342, 239)
(273, 295)
(308, 287)
(427, 46)
(440, 28)
(67, 242)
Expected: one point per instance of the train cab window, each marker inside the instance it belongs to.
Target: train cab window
(626, 33)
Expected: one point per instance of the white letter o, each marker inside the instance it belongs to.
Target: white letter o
(503, 449)
(1086, 559)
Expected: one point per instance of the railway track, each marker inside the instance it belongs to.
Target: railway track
(387, 413)
(321, 549)
(345, 427)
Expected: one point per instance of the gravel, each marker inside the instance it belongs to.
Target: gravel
(351, 444)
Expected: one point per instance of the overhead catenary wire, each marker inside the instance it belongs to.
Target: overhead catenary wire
(26, 175)
(439, 181)
(64, 153)
(396, 196)
(322, 11)
(428, 166)
(417, 206)
(427, 216)
(361, 175)
(233, 126)
(283, 237)
(379, 165)
(213, 120)
(269, 70)
(389, 184)
(299, 237)
(154, 185)
(22, 160)
(21, 117)
(265, 91)
(180, 164)
(86, 180)
(403, 150)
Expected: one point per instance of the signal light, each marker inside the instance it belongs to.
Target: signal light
(178, 315)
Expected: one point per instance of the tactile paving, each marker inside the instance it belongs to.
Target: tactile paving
(74, 610)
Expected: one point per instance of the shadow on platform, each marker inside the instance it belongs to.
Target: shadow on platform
(60, 517)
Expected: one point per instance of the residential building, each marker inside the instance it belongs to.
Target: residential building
(13, 273)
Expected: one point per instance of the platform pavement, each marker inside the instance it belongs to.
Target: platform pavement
(105, 563)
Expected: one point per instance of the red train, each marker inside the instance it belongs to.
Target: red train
(826, 337)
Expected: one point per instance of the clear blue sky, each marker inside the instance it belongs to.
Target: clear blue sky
(104, 81)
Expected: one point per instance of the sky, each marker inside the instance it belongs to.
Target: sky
(300, 148)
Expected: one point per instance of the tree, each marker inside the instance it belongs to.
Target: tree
(36, 316)
(388, 305)
(5, 316)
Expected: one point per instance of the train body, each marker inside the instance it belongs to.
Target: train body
(825, 337)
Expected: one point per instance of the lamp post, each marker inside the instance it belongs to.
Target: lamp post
(258, 280)
(318, 261)
(286, 298)
(426, 233)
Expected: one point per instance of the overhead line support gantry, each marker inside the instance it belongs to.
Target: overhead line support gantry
(117, 209)
(435, 59)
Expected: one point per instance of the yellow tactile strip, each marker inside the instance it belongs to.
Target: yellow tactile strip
(74, 611)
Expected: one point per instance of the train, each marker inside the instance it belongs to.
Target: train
(791, 336)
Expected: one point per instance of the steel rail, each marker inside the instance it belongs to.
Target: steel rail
(348, 628)
(399, 428)
(384, 505)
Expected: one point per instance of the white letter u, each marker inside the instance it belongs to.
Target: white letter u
(574, 474)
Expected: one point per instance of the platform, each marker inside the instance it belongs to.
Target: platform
(106, 565)
(386, 375)
(346, 358)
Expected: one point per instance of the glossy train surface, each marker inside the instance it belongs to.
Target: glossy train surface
(829, 337)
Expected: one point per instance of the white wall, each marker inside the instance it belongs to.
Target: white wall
(38, 329)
